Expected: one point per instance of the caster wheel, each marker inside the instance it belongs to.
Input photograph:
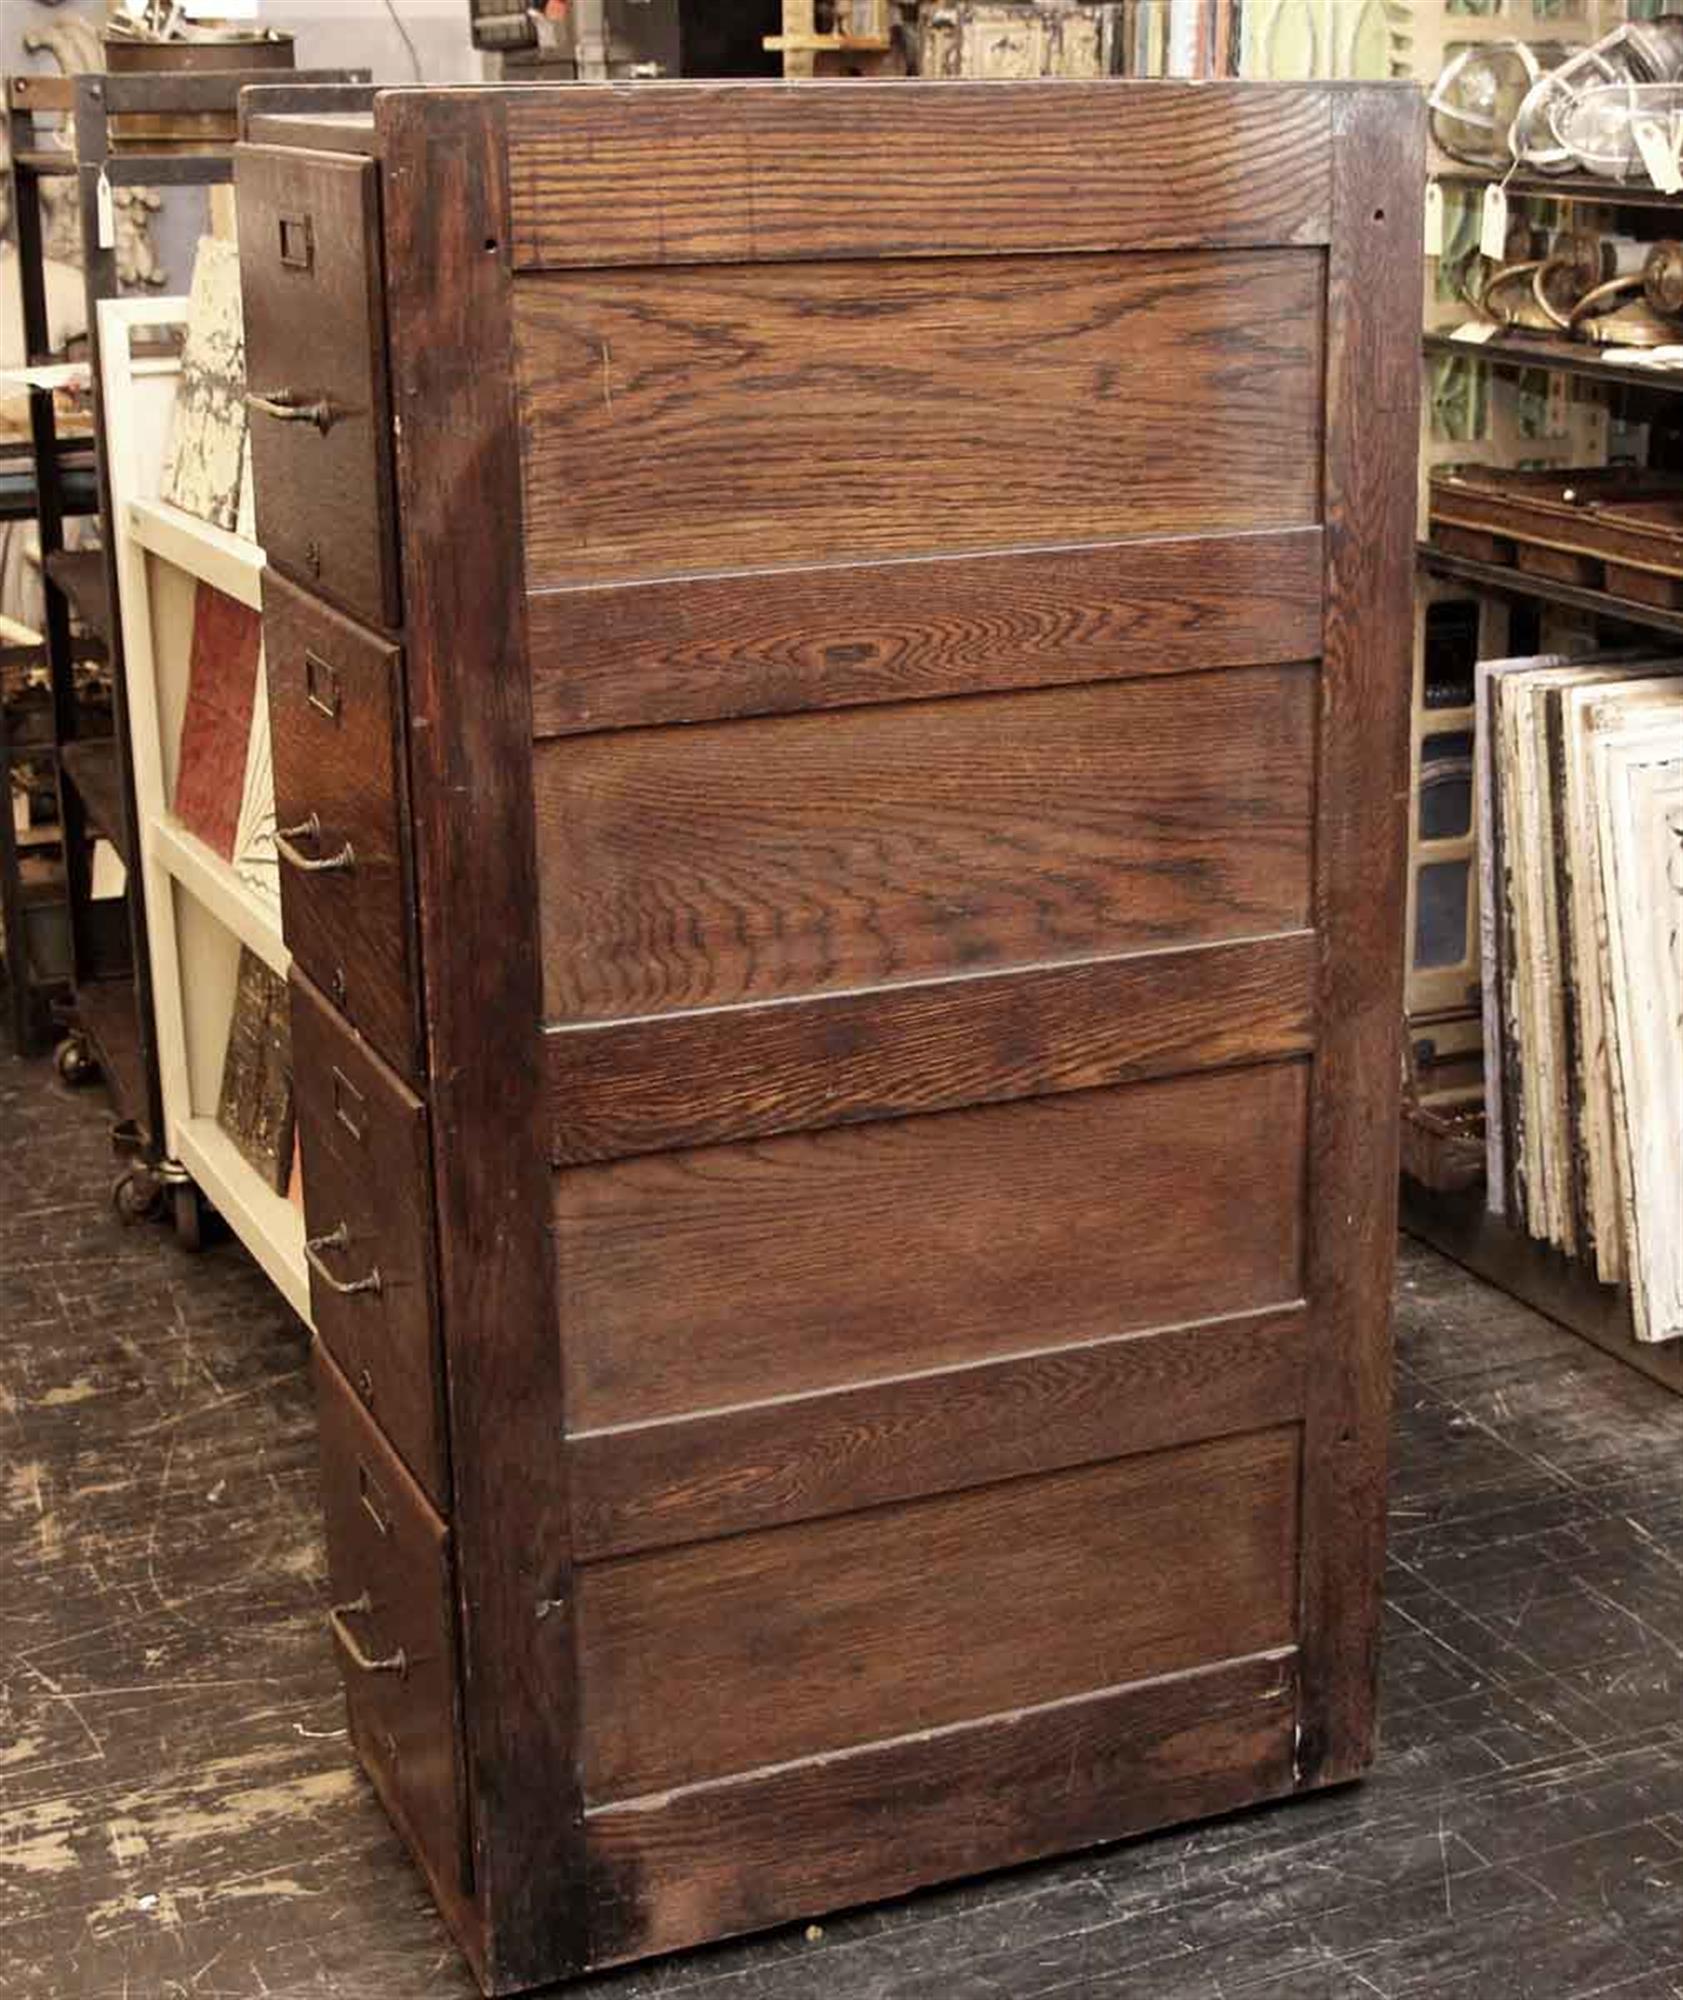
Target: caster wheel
(187, 1212)
(74, 1061)
(137, 1195)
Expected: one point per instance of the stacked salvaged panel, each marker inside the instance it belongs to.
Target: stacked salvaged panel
(843, 763)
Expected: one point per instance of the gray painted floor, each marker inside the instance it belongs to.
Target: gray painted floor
(179, 1816)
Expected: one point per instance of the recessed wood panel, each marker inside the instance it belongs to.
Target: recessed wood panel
(733, 1274)
(748, 1652)
(687, 172)
(768, 642)
(697, 419)
(757, 1850)
(702, 867)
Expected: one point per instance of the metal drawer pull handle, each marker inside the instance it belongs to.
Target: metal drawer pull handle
(310, 864)
(338, 1239)
(291, 406)
(393, 1663)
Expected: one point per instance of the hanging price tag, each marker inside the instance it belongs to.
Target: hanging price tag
(1493, 228)
(107, 212)
(1434, 218)
(1475, 332)
(1659, 154)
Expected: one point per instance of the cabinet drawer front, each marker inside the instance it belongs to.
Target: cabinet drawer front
(340, 800)
(368, 1209)
(316, 365)
(388, 1558)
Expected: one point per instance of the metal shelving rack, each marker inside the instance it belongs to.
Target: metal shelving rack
(1459, 1224)
(112, 1020)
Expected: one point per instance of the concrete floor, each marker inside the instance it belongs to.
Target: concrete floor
(179, 1816)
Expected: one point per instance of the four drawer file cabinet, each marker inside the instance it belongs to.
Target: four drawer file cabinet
(839, 669)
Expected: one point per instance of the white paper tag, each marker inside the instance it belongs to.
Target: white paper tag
(107, 213)
(1434, 218)
(1659, 154)
(1493, 227)
(1476, 332)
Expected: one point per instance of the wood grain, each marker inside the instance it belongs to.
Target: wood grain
(337, 725)
(696, 1281)
(652, 1486)
(703, 867)
(315, 329)
(767, 642)
(686, 173)
(389, 1552)
(368, 1175)
(793, 1642)
(876, 1822)
(1373, 381)
(678, 420)
(471, 728)
(747, 1072)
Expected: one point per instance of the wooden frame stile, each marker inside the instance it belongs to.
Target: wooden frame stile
(459, 492)
(1372, 384)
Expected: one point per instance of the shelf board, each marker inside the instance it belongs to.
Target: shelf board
(93, 770)
(1563, 357)
(81, 576)
(1564, 187)
(107, 1014)
(270, 1227)
(227, 562)
(1507, 582)
(235, 905)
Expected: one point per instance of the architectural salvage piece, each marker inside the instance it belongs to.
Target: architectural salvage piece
(850, 1190)
(256, 1107)
(204, 470)
(212, 781)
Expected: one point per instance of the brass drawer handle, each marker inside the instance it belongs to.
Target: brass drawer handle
(292, 406)
(338, 1239)
(393, 1663)
(341, 863)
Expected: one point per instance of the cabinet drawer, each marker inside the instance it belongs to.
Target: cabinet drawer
(389, 1571)
(335, 712)
(368, 1211)
(316, 368)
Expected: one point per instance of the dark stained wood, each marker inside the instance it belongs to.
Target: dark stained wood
(458, 479)
(389, 1578)
(702, 867)
(746, 1072)
(688, 173)
(314, 305)
(878, 1821)
(336, 723)
(765, 642)
(655, 1485)
(706, 419)
(792, 1642)
(368, 1178)
(1360, 844)
(745, 1274)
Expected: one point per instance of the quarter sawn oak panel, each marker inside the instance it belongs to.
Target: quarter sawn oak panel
(704, 867)
(684, 173)
(698, 1280)
(767, 642)
(733, 1655)
(700, 419)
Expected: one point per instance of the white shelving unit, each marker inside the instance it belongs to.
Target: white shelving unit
(200, 908)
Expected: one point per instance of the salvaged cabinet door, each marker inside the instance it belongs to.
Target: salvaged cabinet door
(919, 800)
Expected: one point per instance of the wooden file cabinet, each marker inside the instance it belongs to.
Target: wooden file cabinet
(844, 748)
